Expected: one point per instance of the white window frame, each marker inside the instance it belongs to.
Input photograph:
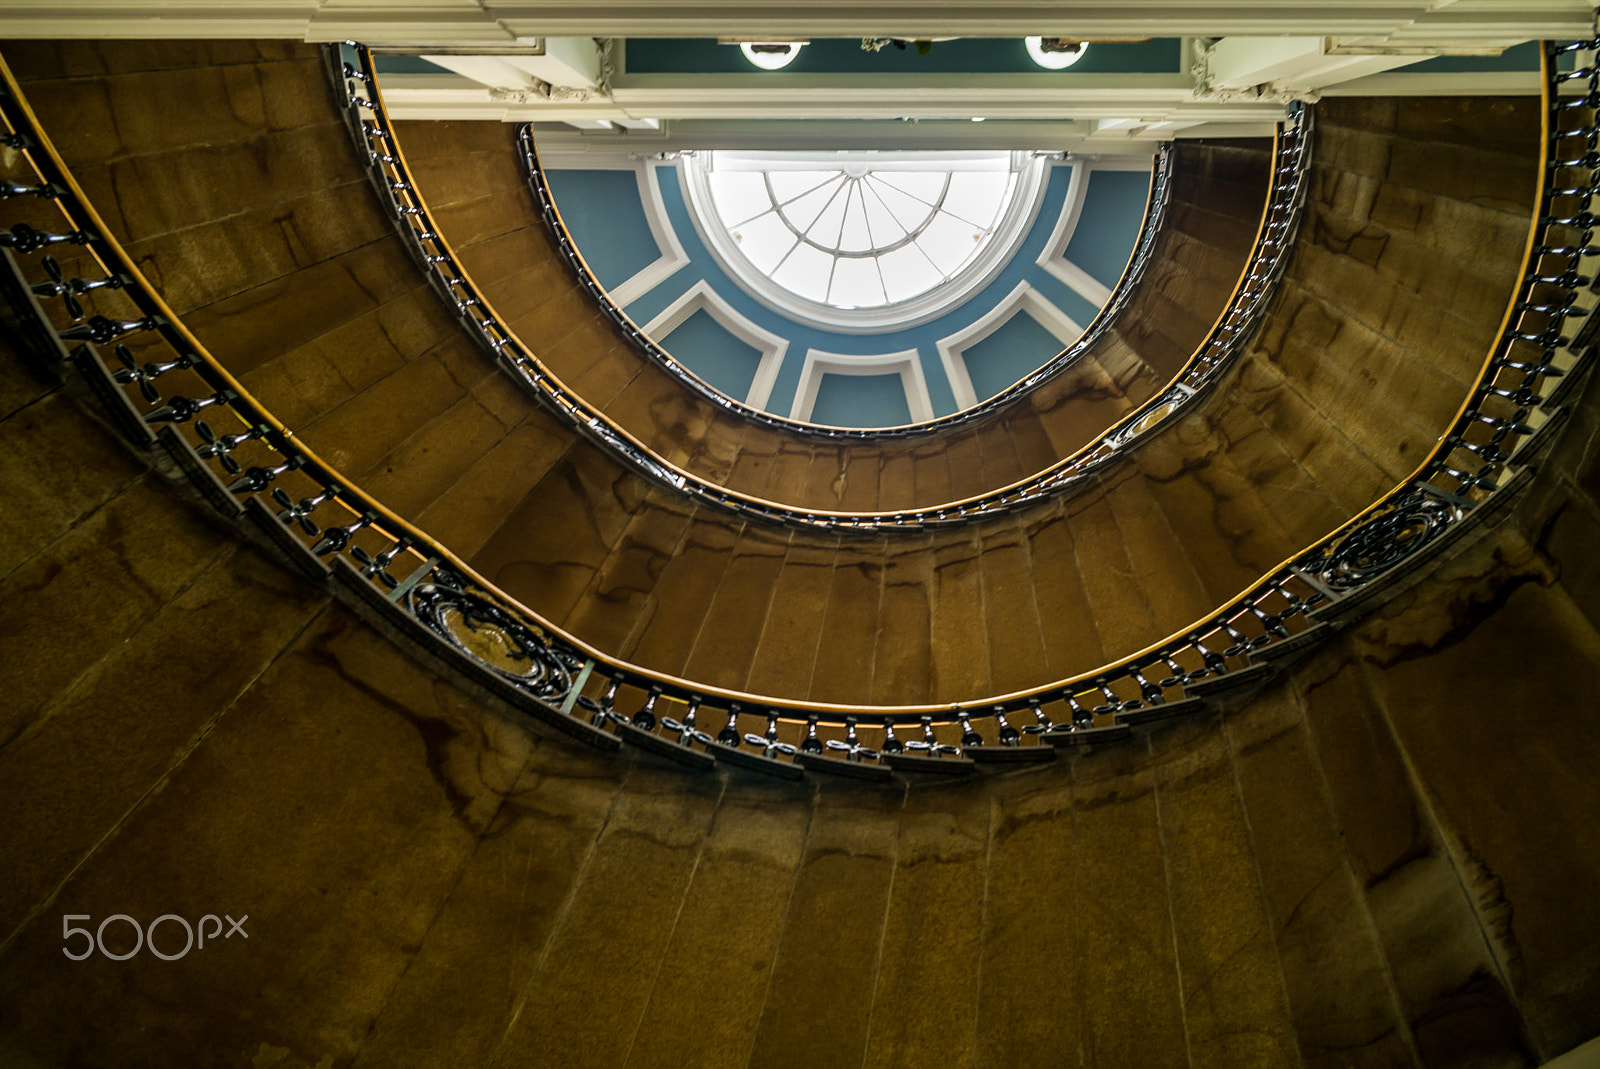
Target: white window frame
(1016, 222)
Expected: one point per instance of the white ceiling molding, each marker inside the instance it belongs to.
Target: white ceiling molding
(708, 113)
(1136, 162)
(700, 297)
(492, 71)
(583, 158)
(1398, 23)
(928, 135)
(672, 256)
(1288, 64)
(1053, 257)
(1024, 298)
(1417, 83)
(1080, 281)
(1154, 97)
(571, 62)
(907, 364)
(888, 96)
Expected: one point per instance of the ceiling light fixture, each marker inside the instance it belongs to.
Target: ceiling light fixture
(771, 55)
(1055, 53)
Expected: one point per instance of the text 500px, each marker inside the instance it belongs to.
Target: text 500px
(146, 937)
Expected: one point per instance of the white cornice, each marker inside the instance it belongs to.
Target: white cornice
(1053, 257)
(445, 22)
(907, 364)
(1023, 298)
(672, 256)
(702, 298)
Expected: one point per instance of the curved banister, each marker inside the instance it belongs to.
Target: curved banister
(1222, 345)
(559, 676)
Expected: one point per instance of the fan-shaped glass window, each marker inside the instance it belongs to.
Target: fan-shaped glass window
(875, 234)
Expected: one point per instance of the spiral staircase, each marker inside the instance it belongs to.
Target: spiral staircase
(1222, 697)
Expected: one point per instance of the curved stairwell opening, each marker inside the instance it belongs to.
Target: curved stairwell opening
(1351, 864)
(952, 616)
(511, 248)
(1167, 590)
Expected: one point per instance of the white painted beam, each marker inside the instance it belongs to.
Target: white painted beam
(1224, 129)
(785, 20)
(1371, 23)
(1405, 83)
(404, 93)
(1353, 67)
(1291, 64)
(485, 70)
(1242, 62)
(571, 62)
(1059, 135)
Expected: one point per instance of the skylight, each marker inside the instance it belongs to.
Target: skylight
(888, 235)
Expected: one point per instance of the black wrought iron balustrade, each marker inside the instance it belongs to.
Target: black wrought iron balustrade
(1150, 229)
(1227, 339)
(252, 468)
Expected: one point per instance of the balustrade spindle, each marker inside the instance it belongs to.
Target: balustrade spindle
(608, 702)
(969, 735)
(891, 742)
(258, 478)
(101, 330)
(69, 290)
(377, 567)
(131, 373)
(10, 189)
(769, 744)
(26, 239)
(929, 744)
(1149, 691)
(810, 743)
(335, 539)
(852, 747)
(1081, 718)
(729, 735)
(183, 409)
(219, 447)
(1041, 722)
(299, 512)
(687, 732)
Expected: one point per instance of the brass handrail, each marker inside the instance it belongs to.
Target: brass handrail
(568, 682)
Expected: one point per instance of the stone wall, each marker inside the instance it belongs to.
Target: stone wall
(1386, 856)
(1383, 858)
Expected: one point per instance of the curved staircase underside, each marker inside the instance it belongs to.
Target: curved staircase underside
(270, 248)
(1383, 856)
